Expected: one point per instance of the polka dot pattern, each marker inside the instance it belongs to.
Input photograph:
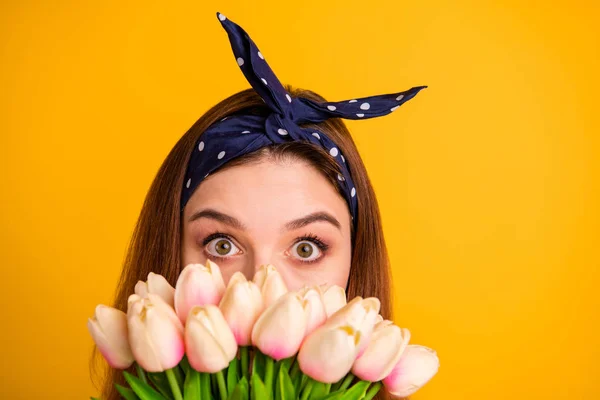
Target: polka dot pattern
(222, 142)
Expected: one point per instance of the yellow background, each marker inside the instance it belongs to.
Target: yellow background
(487, 180)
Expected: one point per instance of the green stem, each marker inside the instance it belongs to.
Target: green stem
(307, 389)
(372, 391)
(205, 386)
(222, 387)
(347, 382)
(173, 383)
(141, 373)
(269, 373)
(244, 357)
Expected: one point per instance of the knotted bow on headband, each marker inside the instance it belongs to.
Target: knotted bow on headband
(237, 135)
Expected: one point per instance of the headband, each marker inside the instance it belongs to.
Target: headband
(236, 135)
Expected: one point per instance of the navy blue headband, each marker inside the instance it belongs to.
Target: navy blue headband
(237, 135)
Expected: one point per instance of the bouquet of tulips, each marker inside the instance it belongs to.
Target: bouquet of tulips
(255, 340)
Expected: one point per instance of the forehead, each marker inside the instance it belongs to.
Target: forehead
(269, 192)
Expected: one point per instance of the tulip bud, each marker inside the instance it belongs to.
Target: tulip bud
(280, 329)
(156, 284)
(361, 314)
(198, 285)
(241, 306)
(415, 368)
(209, 342)
(270, 283)
(334, 298)
(312, 303)
(155, 333)
(329, 352)
(385, 348)
(108, 328)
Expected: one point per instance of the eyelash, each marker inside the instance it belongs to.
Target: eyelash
(310, 237)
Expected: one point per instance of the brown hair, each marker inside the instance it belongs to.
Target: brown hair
(156, 241)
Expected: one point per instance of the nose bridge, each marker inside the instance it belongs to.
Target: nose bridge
(261, 254)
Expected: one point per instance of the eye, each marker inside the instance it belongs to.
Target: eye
(309, 249)
(221, 247)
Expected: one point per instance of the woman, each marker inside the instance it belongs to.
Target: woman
(282, 184)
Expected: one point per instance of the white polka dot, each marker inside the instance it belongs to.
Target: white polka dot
(246, 132)
(315, 134)
(222, 17)
(343, 159)
(352, 101)
(264, 80)
(333, 151)
(282, 132)
(394, 108)
(187, 184)
(240, 61)
(331, 108)
(260, 55)
(221, 155)
(288, 97)
(365, 106)
(353, 192)
(360, 115)
(200, 146)
(341, 178)
(224, 119)
(400, 97)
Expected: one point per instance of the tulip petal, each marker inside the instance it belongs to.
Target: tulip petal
(385, 348)
(280, 329)
(415, 368)
(108, 328)
(328, 353)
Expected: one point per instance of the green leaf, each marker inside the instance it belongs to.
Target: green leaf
(127, 393)
(286, 363)
(284, 388)
(143, 390)
(232, 375)
(258, 391)
(160, 382)
(319, 390)
(240, 392)
(357, 391)
(191, 386)
(334, 395)
(94, 398)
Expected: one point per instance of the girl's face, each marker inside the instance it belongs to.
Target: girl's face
(270, 213)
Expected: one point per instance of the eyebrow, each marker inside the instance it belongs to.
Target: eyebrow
(319, 216)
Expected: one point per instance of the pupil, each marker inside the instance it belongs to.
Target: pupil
(305, 250)
(223, 247)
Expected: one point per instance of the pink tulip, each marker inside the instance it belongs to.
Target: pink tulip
(361, 313)
(329, 352)
(334, 298)
(156, 284)
(271, 284)
(209, 342)
(155, 333)
(196, 286)
(279, 330)
(382, 353)
(415, 368)
(241, 305)
(312, 302)
(108, 328)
